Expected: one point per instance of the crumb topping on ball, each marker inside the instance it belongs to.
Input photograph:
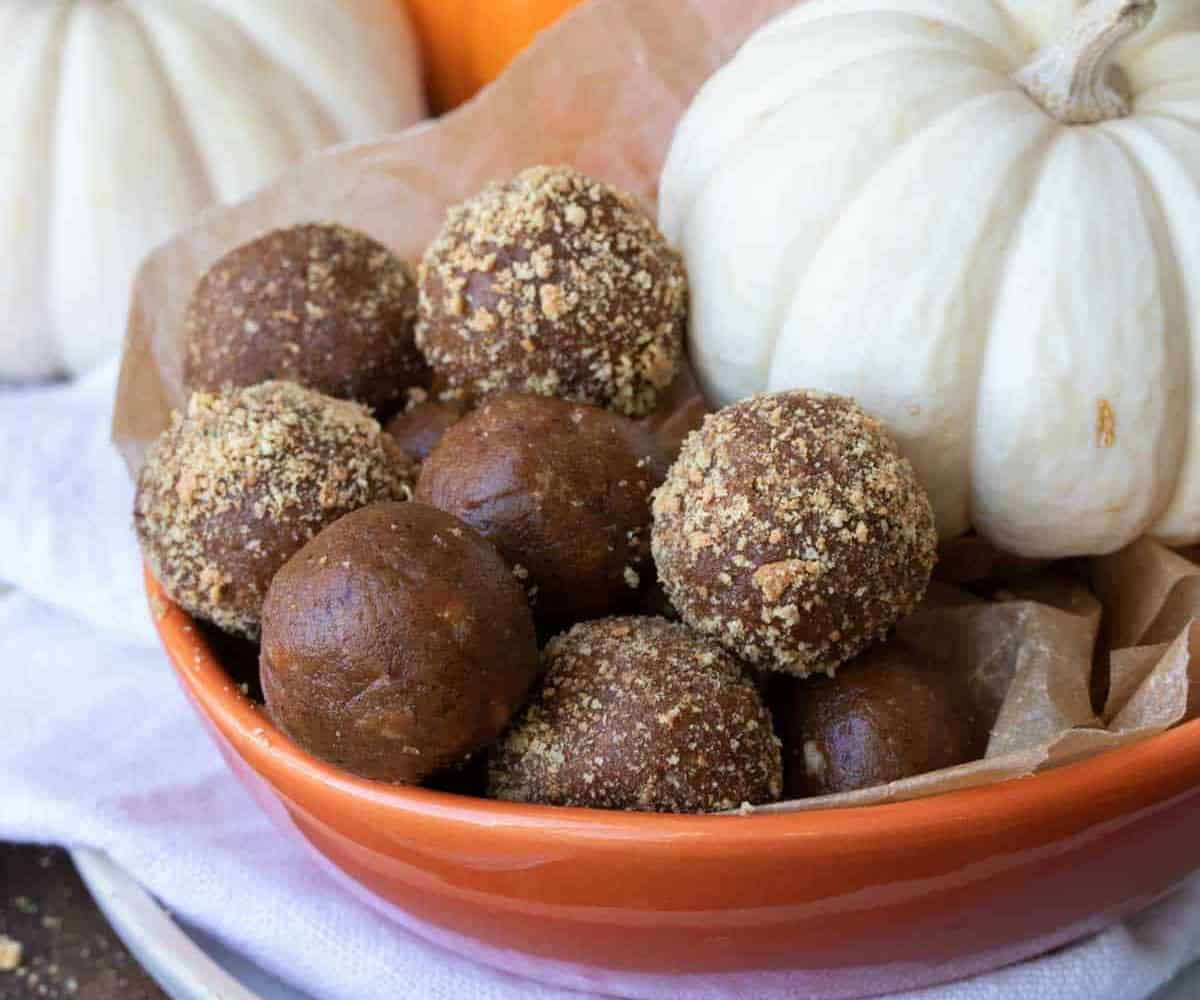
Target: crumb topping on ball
(556, 284)
(319, 304)
(791, 529)
(231, 489)
(640, 714)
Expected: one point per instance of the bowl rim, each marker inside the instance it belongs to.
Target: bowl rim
(1165, 765)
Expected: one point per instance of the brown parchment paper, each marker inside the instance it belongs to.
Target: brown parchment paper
(603, 90)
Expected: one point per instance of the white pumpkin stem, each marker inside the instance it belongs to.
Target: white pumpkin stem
(1072, 77)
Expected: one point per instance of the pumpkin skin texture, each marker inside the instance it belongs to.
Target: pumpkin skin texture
(124, 119)
(468, 43)
(904, 201)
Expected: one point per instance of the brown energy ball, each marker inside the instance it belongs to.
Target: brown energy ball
(419, 427)
(643, 714)
(317, 304)
(790, 529)
(886, 715)
(680, 411)
(556, 284)
(231, 490)
(561, 489)
(396, 643)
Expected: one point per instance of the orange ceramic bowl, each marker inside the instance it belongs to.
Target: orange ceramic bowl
(833, 903)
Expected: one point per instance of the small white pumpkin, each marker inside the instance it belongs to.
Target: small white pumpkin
(121, 119)
(981, 218)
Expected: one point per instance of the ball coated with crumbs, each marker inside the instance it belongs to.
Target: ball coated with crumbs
(557, 284)
(563, 491)
(237, 484)
(396, 643)
(639, 714)
(318, 304)
(792, 531)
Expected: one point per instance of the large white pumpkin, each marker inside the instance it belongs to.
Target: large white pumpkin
(981, 218)
(119, 120)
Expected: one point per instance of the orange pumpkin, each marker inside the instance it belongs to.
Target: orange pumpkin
(467, 43)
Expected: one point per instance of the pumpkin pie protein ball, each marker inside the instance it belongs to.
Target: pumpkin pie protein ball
(641, 714)
(887, 715)
(791, 530)
(318, 304)
(420, 425)
(561, 489)
(396, 643)
(557, 284)
(236, 485)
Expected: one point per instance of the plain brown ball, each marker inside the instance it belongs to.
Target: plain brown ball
(886, 715)
(396, 643)
(563, 491)
(642, 714)
(241, 480)
(419, 426)
(318, 304)
(791, 530)
(557, 284)
(681, 410)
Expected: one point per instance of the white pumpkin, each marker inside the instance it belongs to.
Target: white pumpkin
(981, 218)
(119, 120)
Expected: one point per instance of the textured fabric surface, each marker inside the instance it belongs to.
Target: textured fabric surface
(100, 749)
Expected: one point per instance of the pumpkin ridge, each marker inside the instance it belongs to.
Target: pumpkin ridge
(948, 36)
(931, 90)
(1030, 184)
(184, 133)
(282, 60)
(776, 105)
(1187, 307)
(803, 17)
(56, 36)
(1132, 61)
(1062, 414)
(323, 115)
(696, 184)
(1021, 173)
(783, 308)
(1192, 125)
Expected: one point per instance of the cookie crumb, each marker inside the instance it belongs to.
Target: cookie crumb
(10, 953)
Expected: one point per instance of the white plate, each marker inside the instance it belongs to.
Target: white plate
(186, 963)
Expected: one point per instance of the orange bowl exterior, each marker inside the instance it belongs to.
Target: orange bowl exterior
(833, 903)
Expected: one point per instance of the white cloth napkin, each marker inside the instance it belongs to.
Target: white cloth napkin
(100, 749)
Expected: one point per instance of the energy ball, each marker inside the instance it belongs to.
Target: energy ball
(396, 643)
(556, 284)
(641, 714)
(886, 715)
(561, 489)
(317, 304)
(791, 530)
(419, 427)
(232, 489)
(680, 411)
